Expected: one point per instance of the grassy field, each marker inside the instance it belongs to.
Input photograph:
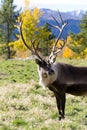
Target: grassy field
(24, 105)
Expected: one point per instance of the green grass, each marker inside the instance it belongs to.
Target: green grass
(24, 105)
(12, 71)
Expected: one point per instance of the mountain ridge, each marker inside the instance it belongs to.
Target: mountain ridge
(75, 14)
(73, 18)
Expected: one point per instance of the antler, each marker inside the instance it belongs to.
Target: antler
(55, 50)
(35, 48)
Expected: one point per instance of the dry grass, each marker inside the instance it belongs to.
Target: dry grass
(29, 107)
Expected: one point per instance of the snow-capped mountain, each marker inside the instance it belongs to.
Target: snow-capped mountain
(76, 14)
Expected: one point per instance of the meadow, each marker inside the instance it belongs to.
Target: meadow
(24, 105)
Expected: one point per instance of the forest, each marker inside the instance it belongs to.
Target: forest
(11, 45)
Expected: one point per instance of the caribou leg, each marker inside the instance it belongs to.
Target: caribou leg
(60, 100)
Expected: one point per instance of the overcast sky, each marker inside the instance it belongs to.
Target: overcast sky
(62, 5)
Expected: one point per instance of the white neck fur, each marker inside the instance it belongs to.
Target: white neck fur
(47, 81)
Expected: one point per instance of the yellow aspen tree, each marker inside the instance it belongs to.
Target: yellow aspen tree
(67, 52)
(30, 29)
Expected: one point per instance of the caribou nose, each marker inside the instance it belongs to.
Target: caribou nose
(44, 75)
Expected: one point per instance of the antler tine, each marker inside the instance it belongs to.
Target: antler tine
(60, 28)
(21, 23)
(60, 17)
(54, 26)
(61, 47)
(57, 27)
(56, 20)
(34, 52)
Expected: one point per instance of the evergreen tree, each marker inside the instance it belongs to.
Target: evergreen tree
(79, 41)
(8, 16)
(46, 43)
(83, 24)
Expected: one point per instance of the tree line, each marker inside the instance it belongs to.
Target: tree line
(10, 41)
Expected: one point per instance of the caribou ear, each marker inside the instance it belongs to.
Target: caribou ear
(38, 62)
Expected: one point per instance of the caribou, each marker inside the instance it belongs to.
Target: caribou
(60, 78)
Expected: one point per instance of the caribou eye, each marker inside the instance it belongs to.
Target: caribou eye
(51, 72)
